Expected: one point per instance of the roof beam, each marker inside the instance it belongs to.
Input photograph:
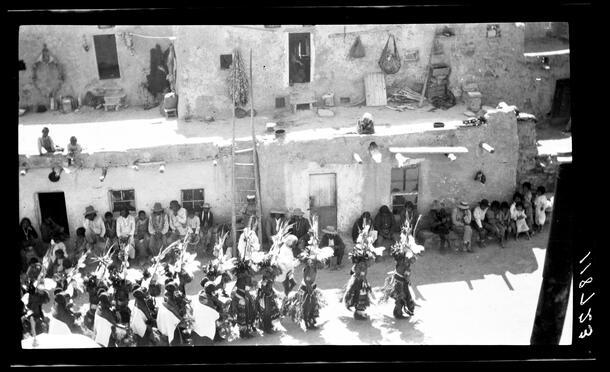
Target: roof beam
(429, 150)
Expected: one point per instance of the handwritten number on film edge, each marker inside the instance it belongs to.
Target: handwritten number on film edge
(585, 317)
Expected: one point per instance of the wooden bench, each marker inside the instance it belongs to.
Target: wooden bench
(113, 102)
(306, 97)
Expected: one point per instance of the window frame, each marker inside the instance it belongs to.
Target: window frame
(414, 193)
(193, 200)
(112, 202)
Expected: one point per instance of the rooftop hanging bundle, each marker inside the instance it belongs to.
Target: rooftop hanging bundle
(238, 80)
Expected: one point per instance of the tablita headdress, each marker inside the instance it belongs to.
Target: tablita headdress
(313, 254)
(269, 267)
(406, 246)
(365, 249)
(249, 253)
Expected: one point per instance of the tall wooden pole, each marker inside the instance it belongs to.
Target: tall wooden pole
(557, 274)
(233, 212)
(257, 185)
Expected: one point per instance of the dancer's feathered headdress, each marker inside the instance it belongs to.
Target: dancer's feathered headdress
(365, 249)
(313, 254)
(406, 247)
(249, 253)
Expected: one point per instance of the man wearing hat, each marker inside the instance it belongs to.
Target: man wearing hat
(158, 226)
(478, 216)
(332, 239)
(276, 216)
(94, 230)
(300, 229)
(177, 221)
(207, 227)
(440, 223)
(460, 221)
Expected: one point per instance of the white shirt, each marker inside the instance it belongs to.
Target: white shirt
(178, 221)
(205, 320)
(125, 226)
(194, 224)
(479, 215)
(96, 226)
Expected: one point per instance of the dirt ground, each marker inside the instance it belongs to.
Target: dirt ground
(488, 297)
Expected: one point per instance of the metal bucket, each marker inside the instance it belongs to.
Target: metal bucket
(280, 134)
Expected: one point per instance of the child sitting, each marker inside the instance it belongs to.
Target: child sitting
(60, 264)
(80, 244)
(505, 220)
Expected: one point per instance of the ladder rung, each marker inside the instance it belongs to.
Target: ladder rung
(243, 150)
(245, 164)
(247, 190)
(245, 178)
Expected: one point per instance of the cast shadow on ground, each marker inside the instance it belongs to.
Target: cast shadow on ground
(406, 327)
(364, 329)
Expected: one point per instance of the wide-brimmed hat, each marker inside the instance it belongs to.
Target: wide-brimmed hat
(463, 205)
(89, 210)
(157, 207)
(297, 212)
(484, 203)
(329, 230)
(277, 211)
(206, 206)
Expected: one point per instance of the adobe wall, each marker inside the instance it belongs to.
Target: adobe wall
(65, 43)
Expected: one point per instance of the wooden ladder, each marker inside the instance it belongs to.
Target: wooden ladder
(245, 173)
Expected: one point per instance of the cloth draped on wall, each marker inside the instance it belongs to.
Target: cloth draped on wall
(171, 67)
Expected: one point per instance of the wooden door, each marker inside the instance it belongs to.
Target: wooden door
(374, 88)
(323, 198)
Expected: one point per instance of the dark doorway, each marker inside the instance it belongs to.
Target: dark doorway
(53, 204)
(561, 110)
(299, 46)
(323, 199)
(106, 55)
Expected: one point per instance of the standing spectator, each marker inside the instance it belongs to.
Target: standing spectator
(177, 221)
(520, 219)
(477, 220)
(95, 230)
(80, 244)
(460, 220)
(158, 226)
(527, 200)
(332, 239)
(384, 224)
(125, 230)
(49, 229)
(440, 223)
(110, 226)
(493, 222)
(141, 237)
(30, 245)
(541, 204)
(207, 227)
(270, 225)
(46, 143)
(300, 229)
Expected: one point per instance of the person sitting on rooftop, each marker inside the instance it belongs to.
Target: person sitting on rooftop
(46, 143)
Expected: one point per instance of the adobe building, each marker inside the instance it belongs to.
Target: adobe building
(313, 166)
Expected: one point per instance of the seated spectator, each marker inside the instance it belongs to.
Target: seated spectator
(49, 229)
(517, 198)
(493, 222)
(478, 216)
(300, 229)
(207, 228)
(74, 149)
(110, 226)
(384, 224)
(461, 217)
(142, 237)
(30, 244)
(125, 231)
(193, 224)
(520, 220)
(332, 239)
(440, 223)
(365, 219)
(59, 264)
(46, 143)
(504, 218)
(80, 244)
(541, 204)
(95, 231)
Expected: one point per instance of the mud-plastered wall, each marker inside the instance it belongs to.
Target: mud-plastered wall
(68, 44)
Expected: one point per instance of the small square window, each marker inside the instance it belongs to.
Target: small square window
(344, 100)
(280, 102)
(193, 199)
(225, 61)
(121, 199)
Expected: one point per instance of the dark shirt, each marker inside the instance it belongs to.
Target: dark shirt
(301, 227)
(207, 220)
(338, 242)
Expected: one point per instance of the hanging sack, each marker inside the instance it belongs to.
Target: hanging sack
(389, 61)
(357, 49)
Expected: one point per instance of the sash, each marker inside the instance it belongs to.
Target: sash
(58, 327)
(138, 321)
(205, 320)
